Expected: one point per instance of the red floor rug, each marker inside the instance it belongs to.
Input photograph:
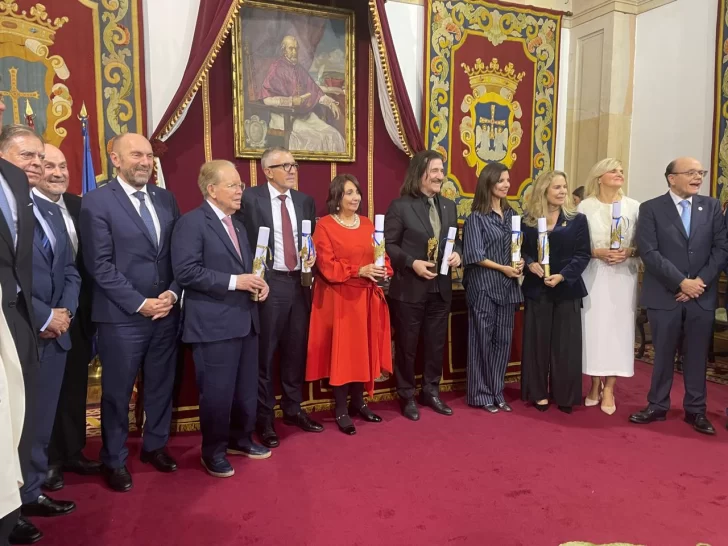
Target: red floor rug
(524, 478)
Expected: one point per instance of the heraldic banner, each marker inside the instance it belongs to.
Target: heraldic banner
(490, 92)
(719, 163)
(57, 59)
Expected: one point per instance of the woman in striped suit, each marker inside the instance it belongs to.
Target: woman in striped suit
(552, 318)
(491, 288)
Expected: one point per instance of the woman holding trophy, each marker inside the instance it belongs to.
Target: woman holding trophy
(611, 280)
(349, 334)
(493, 265)
(557, 250)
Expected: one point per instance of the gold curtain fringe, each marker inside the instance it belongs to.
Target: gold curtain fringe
(387, 76)
(204, 69)
(370, 137)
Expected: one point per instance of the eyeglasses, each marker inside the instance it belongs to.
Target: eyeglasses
(286, 166)
(693, 173)
(235, 186)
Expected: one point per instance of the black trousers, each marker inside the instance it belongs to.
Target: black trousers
(551, 360)
(6, 526)
(69, 429)
(428, 317)
(284, 319)
(696, 325)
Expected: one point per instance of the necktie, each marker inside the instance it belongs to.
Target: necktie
(8, 214)
(434, 217)
(685, 215)
(233, 235)
(146, 217)
(289, 245)
(45, 242)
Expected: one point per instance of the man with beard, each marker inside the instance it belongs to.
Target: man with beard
(126, 227)
(415, 230)
(69, 428)
(20, 159)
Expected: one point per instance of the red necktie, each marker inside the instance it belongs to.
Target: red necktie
(289, 245)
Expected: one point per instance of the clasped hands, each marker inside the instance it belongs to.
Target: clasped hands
(373, 272)
(690, 289)
(59, 324)
(420, 266)
(551, 281)
(513, 272)
(610, 256)
(159, 307)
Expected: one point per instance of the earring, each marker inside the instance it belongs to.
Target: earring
(337, 207)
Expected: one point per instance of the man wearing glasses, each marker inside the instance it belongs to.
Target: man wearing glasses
(681, 237)
(284, 315)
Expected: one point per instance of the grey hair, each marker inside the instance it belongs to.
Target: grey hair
(210, 173)
(11, 132)
(269, 152)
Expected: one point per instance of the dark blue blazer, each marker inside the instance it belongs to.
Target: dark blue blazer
(119, 253)
(55, 285)
(569, 254)
(203, 258)
(670, 256)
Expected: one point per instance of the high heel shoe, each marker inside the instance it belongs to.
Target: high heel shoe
(365, 413)
(588, 402)
(609, 410)
(346, 425)
(542, 407)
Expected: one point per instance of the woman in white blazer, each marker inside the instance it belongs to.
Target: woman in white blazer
(12, 413)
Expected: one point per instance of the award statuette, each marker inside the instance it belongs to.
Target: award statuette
(449, 244)
(307, 252)
(261, 249)
(516, 241)
(615, 236)
(379, 240)
(543, 247)
(432, 248)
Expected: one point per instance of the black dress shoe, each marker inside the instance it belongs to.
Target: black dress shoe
(24, 532)
(409, 409)
(303, 421)
(435, 403)
(503, 406)
(346, 425)
(566, 409)
(542, 407)
(700, 423)
(160, 460)
(46, 507)
(365, 413)
(647, 415)
(82, 465)
(491, 408)
(118, 479)
(267, 435)
(54, 479)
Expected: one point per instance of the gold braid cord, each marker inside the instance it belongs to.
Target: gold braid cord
(204, 69)
(383, 57)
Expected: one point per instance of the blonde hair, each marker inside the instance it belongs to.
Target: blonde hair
(537, 205)
(591, 187)
(210, 173)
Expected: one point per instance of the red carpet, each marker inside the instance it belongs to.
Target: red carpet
(526, 479)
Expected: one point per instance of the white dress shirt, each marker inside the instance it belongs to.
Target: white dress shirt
(221, 215)
(677, 199)
(13, 205)
(67, 219)
(279, 262)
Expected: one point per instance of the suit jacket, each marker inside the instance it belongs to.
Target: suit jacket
(82, 318)
(203, 258)
(119, 252)
(16, 266)
(407, 229)
(56, 284)
(670, 256)
(257, 211)
(569, 254)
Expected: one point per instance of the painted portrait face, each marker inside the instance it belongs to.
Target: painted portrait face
(290, 49)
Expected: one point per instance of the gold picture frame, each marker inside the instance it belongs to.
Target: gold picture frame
(293, 80)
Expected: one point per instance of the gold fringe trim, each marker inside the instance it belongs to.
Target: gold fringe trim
(204, 69)
(333, 170)
(253, 173)
(370, 136)
(383, 57)
(206, 122)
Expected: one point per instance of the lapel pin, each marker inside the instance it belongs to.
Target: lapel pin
(563, 224)
(700, 208)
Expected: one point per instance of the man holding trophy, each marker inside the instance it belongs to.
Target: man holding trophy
(416, 230)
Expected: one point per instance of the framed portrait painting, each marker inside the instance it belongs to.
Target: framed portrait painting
(293, 80)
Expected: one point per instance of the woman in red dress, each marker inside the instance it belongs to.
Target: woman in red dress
(349, 335)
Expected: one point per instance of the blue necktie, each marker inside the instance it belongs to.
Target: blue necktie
(8, 214)
(685, 215)
(45, 242)
(146, 217)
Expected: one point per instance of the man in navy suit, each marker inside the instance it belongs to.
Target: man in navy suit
(126, 227)
(212, 262)
(681, 237)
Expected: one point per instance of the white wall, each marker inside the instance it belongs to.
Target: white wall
(673, 92)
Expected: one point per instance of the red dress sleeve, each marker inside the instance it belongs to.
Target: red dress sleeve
(331, 268)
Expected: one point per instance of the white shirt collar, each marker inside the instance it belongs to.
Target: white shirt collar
(676, 199)
(274, 193)
(129, 189)
(220, 214)
(61, 203)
